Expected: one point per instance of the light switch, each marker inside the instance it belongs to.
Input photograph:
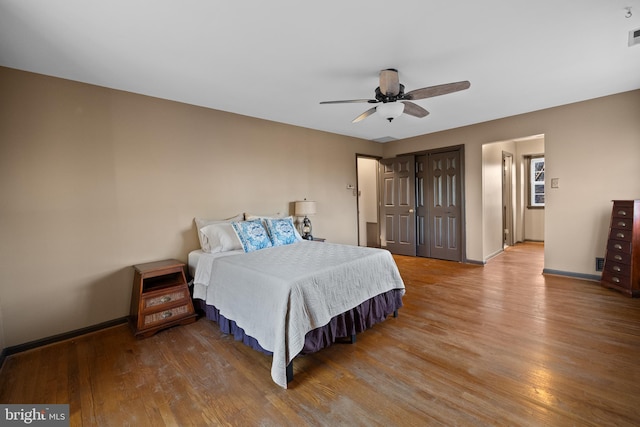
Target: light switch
(555, 182)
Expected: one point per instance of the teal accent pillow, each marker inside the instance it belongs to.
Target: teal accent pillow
(282, 231)
(252, 235)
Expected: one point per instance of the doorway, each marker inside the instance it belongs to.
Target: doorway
(507, 217)
(366, 193)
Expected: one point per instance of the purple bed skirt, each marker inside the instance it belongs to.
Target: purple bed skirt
(344, 325)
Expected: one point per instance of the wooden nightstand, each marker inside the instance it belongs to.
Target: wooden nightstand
(160, 297)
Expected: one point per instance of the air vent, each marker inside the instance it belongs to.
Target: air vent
(385, 139)
(599, 264)
(634, 37)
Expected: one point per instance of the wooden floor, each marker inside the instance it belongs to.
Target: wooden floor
(495, 345)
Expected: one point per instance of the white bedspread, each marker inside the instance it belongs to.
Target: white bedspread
(200, 266)
(279, 294)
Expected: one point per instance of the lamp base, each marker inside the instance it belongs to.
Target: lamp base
(306, 229)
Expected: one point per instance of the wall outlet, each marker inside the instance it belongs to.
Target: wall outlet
(599, 264)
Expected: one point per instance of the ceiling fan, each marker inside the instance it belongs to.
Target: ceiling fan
(391, 91)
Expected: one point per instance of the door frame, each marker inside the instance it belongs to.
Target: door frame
(508, 200)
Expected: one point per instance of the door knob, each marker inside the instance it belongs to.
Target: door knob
(410, 210)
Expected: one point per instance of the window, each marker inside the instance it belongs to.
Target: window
(536, 182)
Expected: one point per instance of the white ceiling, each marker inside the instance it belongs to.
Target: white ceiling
(278, 59)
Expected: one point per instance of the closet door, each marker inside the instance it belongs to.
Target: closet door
(397, 205)
(443, 201)
(422, 207)
(421, 204)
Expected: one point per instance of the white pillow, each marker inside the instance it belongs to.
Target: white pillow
(251, 217)
(201, 223)
(221, 237)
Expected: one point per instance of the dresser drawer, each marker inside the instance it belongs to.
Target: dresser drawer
(167, 315)
(618, 246)
(623, 210)
(620, 257)
(616, 279)
(618, 268)
(620, 234)
(168, 297)
(622, 223)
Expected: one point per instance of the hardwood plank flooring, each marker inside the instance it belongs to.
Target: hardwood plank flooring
(499, 344)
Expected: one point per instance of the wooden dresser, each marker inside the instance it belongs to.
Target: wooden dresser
(160, 297)
(622, 259)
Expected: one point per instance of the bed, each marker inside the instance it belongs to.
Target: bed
(295, 298)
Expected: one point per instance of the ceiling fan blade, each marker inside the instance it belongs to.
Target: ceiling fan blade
(414, 109)
(364, 115)
(349, 101)
(389, 82)
(429, 92)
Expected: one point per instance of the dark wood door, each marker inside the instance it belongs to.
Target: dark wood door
(422, 207)
(442, 199)
(397, 205)
(445, 205)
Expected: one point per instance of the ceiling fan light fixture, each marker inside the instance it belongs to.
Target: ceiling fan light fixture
(392, 101)
(390, 110)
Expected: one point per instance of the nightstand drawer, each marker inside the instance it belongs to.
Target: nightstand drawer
(166, 315)
(169, 298)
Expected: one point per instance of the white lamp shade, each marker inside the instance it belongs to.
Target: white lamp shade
(390, 110)
(305, 207)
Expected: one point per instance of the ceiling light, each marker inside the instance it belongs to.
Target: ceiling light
(390, 110)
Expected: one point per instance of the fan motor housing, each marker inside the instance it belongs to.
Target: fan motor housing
(381, 97)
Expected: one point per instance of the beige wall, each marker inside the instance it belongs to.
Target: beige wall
(593, 147)
(95, 180)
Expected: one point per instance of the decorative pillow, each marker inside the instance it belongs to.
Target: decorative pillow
(295, 229)
(282, 231)
(252, 235)
(201, 223)
(221, 237)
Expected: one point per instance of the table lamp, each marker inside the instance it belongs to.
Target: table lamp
(305, 208)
